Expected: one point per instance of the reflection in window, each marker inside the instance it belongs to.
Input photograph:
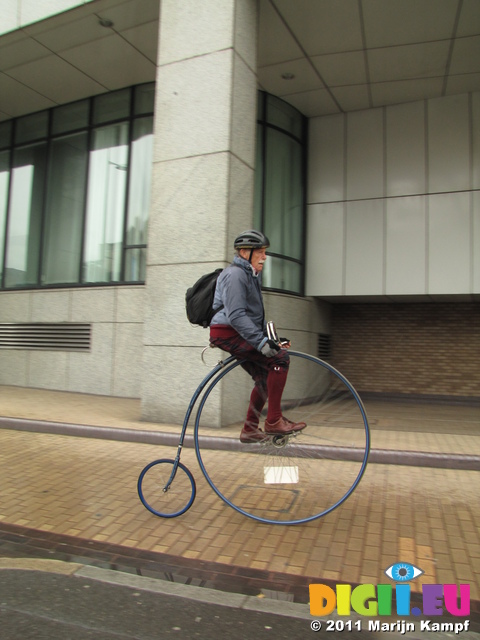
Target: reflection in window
(24, 228)
(135, 264)
(75, 192)
(283, 206)
(279, 192)
(140, 182)
(4, 182)
(138, 199)
(282, 275)
(107, 181)
(70, 117)
(62, 240)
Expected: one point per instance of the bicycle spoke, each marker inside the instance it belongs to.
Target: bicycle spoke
(300, 477)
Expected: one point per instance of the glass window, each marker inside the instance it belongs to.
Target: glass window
(107, 179)
(283, 201)
(75, 194)
(261, 106)
(139, 199)
(25, 216)
(70, 117)
(282, 274)
(5, 134)
(279, 193)
(284, 116)
(62, 238)
(135, 264)
(111, 106)
(144, 98)
(4, 182)
(258, 184)
(30, 128)
(140, 181)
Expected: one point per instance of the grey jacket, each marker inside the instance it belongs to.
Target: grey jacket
(240, 291)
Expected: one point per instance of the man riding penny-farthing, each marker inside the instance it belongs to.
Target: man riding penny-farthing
(239, 327)
(293, 470)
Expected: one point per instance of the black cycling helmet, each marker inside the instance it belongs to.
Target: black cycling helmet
(251, 239)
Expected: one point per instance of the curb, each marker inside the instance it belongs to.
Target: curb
(378, 456)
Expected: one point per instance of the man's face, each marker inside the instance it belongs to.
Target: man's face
(258, 257)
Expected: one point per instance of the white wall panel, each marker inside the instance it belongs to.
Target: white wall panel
(92, 305)
(449, 243)
(50, 306)
(364, 248)
(92, 372)
(405, 140)
(476, 242)
(326, 159)
(448, 144)
(429, 245)
(48, 370)
(9, 20)
(34, 10)
(325, 249)
(19, 13)
(476, 139)
(14, 367)
(406, 246)
(15, 306)
(365, 166)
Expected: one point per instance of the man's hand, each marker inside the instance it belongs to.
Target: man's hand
(285, 343)
(270, 349)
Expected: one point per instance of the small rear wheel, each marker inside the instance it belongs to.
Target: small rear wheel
(167, 489)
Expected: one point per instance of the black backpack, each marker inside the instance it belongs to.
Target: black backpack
(199, 299)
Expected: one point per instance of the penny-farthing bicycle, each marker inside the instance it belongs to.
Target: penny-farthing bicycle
(285, 479)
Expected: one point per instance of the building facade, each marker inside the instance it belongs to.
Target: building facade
(138, 137)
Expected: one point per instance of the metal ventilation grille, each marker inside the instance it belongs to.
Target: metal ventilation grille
(58, 336)
(324, 346)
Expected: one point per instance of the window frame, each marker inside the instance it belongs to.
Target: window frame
(8, 144)
(263, 125)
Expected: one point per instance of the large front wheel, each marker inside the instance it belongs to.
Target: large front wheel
(293, 479)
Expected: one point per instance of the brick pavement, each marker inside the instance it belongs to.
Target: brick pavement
(85, 488)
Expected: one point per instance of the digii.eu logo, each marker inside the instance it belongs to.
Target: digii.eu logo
(390, 599)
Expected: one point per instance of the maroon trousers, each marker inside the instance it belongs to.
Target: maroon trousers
(269, 374)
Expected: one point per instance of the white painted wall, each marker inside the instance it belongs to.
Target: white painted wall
(20, 13)
(113, 366)
(393, 201)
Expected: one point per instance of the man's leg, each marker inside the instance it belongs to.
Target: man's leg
(276, 423)
(275, 369)
(276, 380)
(251, 431)
(258, 399)
(238, 347)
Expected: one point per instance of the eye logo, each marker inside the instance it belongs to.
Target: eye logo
(403, 572)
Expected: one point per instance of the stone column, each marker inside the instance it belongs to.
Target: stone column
(203, 175)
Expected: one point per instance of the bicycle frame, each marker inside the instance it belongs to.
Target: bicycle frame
(156, 474)
(218, 367)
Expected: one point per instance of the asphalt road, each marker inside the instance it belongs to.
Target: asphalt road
(96, 604)
(45, 606)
